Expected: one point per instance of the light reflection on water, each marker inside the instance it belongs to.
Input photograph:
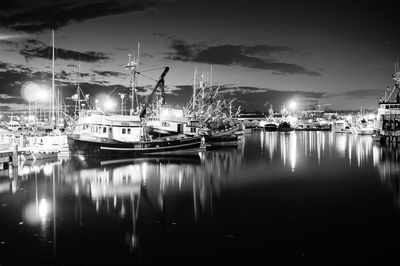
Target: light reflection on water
(156, 199)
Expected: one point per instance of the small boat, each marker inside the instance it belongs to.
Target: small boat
(341, 126)
(271, 127)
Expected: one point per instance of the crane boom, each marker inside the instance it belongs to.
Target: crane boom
(149, 99)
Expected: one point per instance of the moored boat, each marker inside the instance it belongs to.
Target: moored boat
(285, 127)
(103, 135)
(387, 128)
(271, 127)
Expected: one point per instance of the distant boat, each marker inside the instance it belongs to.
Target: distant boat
(341, 126)
(285, 127)
(271, 127)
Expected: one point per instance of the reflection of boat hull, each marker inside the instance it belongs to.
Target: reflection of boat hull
(364, 131)
(222, 145)
(222, 141)
(106, 147)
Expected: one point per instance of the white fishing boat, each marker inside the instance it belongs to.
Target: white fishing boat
(387, 127)
(110, 135)
(341, 126)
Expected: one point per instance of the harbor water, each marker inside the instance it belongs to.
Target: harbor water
(278, 198)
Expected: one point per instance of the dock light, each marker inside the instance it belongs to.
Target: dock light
(109, 104)
(32, 91)
(292, 105)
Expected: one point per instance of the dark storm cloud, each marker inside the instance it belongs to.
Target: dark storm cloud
(109, 73)
(256, 57)
(362, 93)
(35, 16)
(255, 98)
(46, 52)
(13, 77)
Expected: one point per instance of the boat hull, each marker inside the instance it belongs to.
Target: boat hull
(110, 148)
(271, 127)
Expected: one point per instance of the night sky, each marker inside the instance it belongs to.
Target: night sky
(336, 53)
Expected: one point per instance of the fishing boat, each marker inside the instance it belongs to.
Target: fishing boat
(98, 134)
(341, 126)
(387, 128)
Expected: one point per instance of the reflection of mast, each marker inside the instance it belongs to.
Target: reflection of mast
(52, 86)
(194, 199)
(54, 215)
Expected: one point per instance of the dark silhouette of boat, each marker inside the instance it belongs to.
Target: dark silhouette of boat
(285, 127)
(271, 127)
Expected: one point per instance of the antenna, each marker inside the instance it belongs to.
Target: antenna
(194, 87)
(138, 53)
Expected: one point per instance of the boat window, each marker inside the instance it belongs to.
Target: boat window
(104, 130)
(123, 131)
(129, 131)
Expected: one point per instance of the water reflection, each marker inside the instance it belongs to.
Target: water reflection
(320, 146)
(127, 206)
(136, 191)
(387, 161)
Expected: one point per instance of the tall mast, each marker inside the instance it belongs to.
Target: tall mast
(210, 75)
(194, 88)
(52, 86)
(132, 64)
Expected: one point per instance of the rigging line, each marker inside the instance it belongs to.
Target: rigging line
(147, 70)
(147, 76)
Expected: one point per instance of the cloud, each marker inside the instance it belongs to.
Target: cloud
(13, 107)
(13, 76)
(254, 57)
(109, 73)
(361, 93)
(36, 16)
(254, 98)
(46, 52)
(6, 96)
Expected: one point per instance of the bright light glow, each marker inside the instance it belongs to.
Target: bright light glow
(37, 212)
(292, 105)
(32, 91)
(42, 95)
(43, 209)
(109, 104)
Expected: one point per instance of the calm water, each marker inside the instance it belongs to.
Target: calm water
(280, 198)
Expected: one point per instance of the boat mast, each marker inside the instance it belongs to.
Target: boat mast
(194, 88)
(211, 75)
(132, 67)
